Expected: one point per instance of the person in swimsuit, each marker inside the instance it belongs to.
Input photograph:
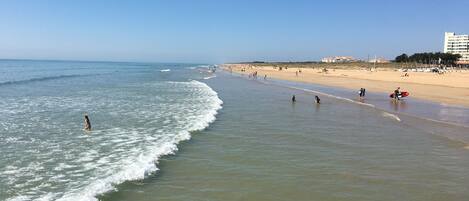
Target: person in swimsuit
(87, 123)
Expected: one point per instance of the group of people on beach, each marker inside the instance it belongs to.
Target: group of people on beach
(396, 95)
(253, 75)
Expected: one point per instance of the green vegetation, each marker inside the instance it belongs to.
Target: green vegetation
(429, 58)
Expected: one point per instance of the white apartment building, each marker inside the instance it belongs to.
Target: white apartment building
(457, 44)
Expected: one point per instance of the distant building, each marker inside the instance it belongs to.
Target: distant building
(457, 44)
(379, 60)
(338, 59)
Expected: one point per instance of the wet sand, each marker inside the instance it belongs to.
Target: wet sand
(449, 88)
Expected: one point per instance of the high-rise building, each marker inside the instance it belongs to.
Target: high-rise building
(457, 44)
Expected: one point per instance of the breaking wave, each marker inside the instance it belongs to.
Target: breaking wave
(93, 164)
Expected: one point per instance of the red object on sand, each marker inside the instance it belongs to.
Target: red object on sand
(403, 94)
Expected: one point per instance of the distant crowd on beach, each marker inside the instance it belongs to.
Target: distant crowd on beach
(396, 95)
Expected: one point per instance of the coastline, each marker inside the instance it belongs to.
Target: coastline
(251, 147)
(450, 88)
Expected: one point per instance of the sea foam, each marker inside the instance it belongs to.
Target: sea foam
(146, 163)
(85, 173)
(391, 116)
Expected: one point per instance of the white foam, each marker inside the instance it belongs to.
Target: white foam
(84, 166)
(145, 161)
(392, 116)
(165, 70)
(20, 198)
(210, 77)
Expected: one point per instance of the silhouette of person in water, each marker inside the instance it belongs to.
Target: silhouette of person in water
(397, 93)
(318, 100)
(87, 123)
(293, 99)
(362, 92)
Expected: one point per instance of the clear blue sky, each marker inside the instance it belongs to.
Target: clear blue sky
(224, 31)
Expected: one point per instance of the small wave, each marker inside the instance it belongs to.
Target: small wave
(165, 70)
(39, 79)
(392, 116)
(210, 77)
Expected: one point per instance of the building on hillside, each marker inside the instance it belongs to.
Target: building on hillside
(379, 60)
(338, 59)
(457, 44)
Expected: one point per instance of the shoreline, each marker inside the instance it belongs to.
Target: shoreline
(451, 88)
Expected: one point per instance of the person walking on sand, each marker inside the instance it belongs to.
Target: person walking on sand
(87, 123)
(318, 100)
(293, 99)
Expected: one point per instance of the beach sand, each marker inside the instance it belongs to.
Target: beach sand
(449, 88)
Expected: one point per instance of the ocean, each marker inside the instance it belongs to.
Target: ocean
(180, 132)
(138, 113)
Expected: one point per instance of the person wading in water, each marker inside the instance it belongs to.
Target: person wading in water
(318, 100)
(397, 93)
(87, 123)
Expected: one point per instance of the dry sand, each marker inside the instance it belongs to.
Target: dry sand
(449, 88)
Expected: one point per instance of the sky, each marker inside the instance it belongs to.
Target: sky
(217, 31)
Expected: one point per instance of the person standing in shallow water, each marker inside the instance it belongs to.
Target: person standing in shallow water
(397, 93)
(318, 100)
(293, 99)
(362, 92)
(87, 123)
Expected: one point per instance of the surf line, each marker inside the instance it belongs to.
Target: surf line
(384, 113)
(352, 101)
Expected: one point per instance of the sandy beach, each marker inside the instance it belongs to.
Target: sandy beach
(449, 88)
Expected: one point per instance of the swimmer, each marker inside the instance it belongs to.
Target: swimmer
(87, 123)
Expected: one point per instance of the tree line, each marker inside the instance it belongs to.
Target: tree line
(430, 58)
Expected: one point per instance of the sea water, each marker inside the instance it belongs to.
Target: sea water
(260, 147)
(139, 112)
(263, 147)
